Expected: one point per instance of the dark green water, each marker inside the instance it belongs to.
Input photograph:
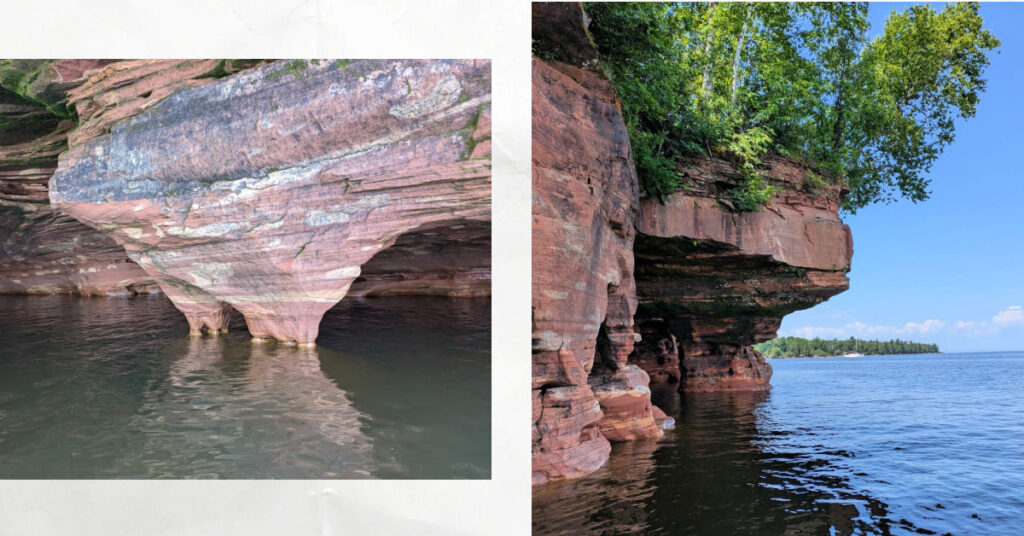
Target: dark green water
(114, 388)
(928, 444)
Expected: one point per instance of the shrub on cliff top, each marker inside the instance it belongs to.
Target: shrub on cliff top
(800, 79)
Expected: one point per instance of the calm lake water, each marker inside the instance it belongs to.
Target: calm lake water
(114, 388)
(927, 444)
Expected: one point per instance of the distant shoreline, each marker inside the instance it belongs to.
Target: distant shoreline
(855, 357)
(852, 347)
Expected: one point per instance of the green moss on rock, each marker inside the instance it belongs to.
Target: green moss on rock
(36, 81)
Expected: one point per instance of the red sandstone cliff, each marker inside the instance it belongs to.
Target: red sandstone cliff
(41, 250)
(268, 187)
(626, 290)
(585, 200)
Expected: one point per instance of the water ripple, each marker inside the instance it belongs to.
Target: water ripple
(110, 388)
(873, 446)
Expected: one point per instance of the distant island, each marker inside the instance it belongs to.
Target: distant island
(797, 347)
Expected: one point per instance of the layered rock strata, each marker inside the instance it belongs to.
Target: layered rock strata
(629, 291)
(454, 261)
(585, 198)
(41, 251)
(268, 189)
(711, 282)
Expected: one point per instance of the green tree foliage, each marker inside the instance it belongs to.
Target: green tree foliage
(799, 79)
(797, 347)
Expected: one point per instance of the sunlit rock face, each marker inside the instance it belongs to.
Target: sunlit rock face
(585, 198)
(711, 282)
(268, 189)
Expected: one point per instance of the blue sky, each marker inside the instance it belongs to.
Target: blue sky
(949, 270)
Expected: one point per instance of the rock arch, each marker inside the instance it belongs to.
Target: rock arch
(268, 190)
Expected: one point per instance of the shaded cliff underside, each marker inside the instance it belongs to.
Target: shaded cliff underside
(271, 187)
(712, 282)
(629, 291)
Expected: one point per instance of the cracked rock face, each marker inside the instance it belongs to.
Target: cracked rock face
(267, 190)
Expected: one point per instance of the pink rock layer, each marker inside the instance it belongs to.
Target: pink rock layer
(585, 198)
(625, 400)
(267, 190)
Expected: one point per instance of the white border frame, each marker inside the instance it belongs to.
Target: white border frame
(492, 29)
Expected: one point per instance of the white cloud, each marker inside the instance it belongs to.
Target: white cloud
(824, 333)
(1012, 316)
(860, 329)
(928, 326)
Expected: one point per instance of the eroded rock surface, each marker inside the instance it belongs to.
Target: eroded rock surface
(711, 282)
(585, 198)
(453, 261)
(41, 251)
(267, 190)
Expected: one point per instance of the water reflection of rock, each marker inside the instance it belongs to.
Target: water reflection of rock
(726, 469)
(233, 409)
(420, 366)
(296, 372)
(616, 499)
(408, 376)
(743, 472)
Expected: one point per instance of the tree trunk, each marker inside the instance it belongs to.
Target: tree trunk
(837, 126)
(707, 84)
(736, 62)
